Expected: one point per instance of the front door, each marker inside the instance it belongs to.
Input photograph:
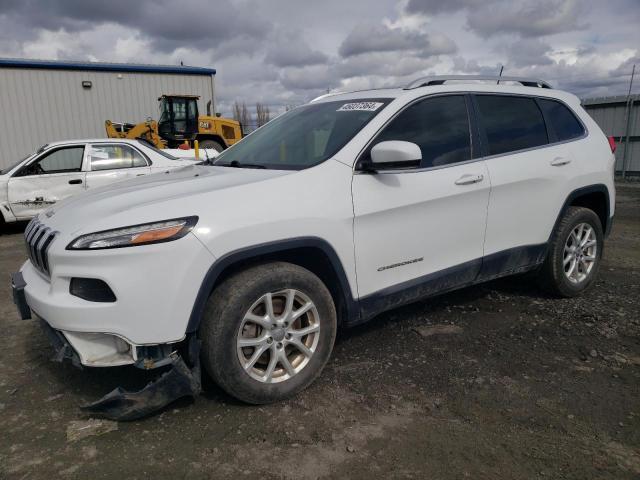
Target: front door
(420, 231)
(51, 177)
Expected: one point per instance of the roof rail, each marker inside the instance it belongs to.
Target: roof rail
(441, 79)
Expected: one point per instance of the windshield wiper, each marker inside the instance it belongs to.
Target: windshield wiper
(237, 164)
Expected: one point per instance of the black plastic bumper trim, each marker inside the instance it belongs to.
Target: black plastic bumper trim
(17, 286)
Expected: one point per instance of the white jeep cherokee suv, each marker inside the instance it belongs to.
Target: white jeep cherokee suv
(328, 215)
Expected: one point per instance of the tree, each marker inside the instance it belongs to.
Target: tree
(241, 114)
(262, 114)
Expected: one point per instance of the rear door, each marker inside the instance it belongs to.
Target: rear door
(49, 178)
(113, 162)
(529, 171)
(420, 231)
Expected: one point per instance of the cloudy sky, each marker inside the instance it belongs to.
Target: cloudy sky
(286, 52)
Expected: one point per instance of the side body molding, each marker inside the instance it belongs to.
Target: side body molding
(351, 304)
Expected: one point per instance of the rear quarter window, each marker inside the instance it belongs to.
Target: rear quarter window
(562, 121)
(511, 123)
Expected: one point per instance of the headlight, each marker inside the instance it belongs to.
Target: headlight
(156, 232)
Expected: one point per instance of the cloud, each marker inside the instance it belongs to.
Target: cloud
(522, 53)
(372, 37)
(168, 24)
(285, 52)
(382, 64)
(434, 7)
(289, 49)
(525, 18)
(315, 78)
(528, 19)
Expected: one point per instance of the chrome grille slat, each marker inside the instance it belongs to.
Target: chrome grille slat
(30, 244)
(33, 232)
(42, 238)
(29, 227)
(45, 255)
(38, 238)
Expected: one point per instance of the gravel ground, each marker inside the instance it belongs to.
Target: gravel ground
(493, 381)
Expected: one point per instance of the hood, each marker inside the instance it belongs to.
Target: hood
(173, 189)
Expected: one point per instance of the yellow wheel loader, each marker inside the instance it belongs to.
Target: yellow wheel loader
(179, 123)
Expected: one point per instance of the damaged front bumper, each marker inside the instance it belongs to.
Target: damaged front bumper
(180, 381)
(183, 379)
(122, 405)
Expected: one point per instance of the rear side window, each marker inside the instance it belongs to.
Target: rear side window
(112, 157)
(438, 125)
(511, 123)
(562, 121)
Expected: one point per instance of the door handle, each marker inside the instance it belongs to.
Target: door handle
(139, 174)
(75, 181)
(560, 161)
(469, 179)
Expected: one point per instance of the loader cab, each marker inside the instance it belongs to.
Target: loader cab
(178, 118)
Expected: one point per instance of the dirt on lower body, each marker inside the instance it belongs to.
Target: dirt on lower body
(493, 381)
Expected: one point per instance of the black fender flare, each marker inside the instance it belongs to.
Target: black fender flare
(257, 251)
(578, 192)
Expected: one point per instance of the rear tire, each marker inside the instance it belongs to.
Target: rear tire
(574, 255)
(211, 144)
(259, 353)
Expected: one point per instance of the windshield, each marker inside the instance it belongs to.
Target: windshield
(151, 146)
(15, 164)
(303, 137)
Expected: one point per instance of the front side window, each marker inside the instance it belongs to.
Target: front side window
(564, 123)
(438, 125)
(511, 123)
(62, 160)
(303, 137)
(112, 157)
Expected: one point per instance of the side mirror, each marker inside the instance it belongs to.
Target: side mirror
(395, 154)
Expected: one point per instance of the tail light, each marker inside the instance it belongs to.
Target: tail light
(612, 144)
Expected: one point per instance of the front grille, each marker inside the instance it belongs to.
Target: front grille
(38, 238)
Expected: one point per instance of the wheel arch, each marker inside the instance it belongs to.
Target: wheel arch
(594, 197)
(312, 253)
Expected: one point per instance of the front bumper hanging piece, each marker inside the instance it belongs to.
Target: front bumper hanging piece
(178, 382)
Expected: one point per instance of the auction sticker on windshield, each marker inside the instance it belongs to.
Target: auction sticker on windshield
(360, 106)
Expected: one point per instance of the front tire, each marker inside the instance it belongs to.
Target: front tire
(574, 254)
(268, 332)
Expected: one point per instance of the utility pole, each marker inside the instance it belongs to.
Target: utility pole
(629, 110)
(500, 74)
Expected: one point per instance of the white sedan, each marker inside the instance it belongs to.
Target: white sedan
(61, 169)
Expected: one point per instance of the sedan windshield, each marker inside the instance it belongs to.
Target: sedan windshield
(11, 167)
(303, 137)
(151, 146)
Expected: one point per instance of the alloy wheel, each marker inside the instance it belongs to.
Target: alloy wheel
(580, 253)
(278, 336)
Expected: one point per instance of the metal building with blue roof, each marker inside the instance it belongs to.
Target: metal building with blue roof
(45, 100)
